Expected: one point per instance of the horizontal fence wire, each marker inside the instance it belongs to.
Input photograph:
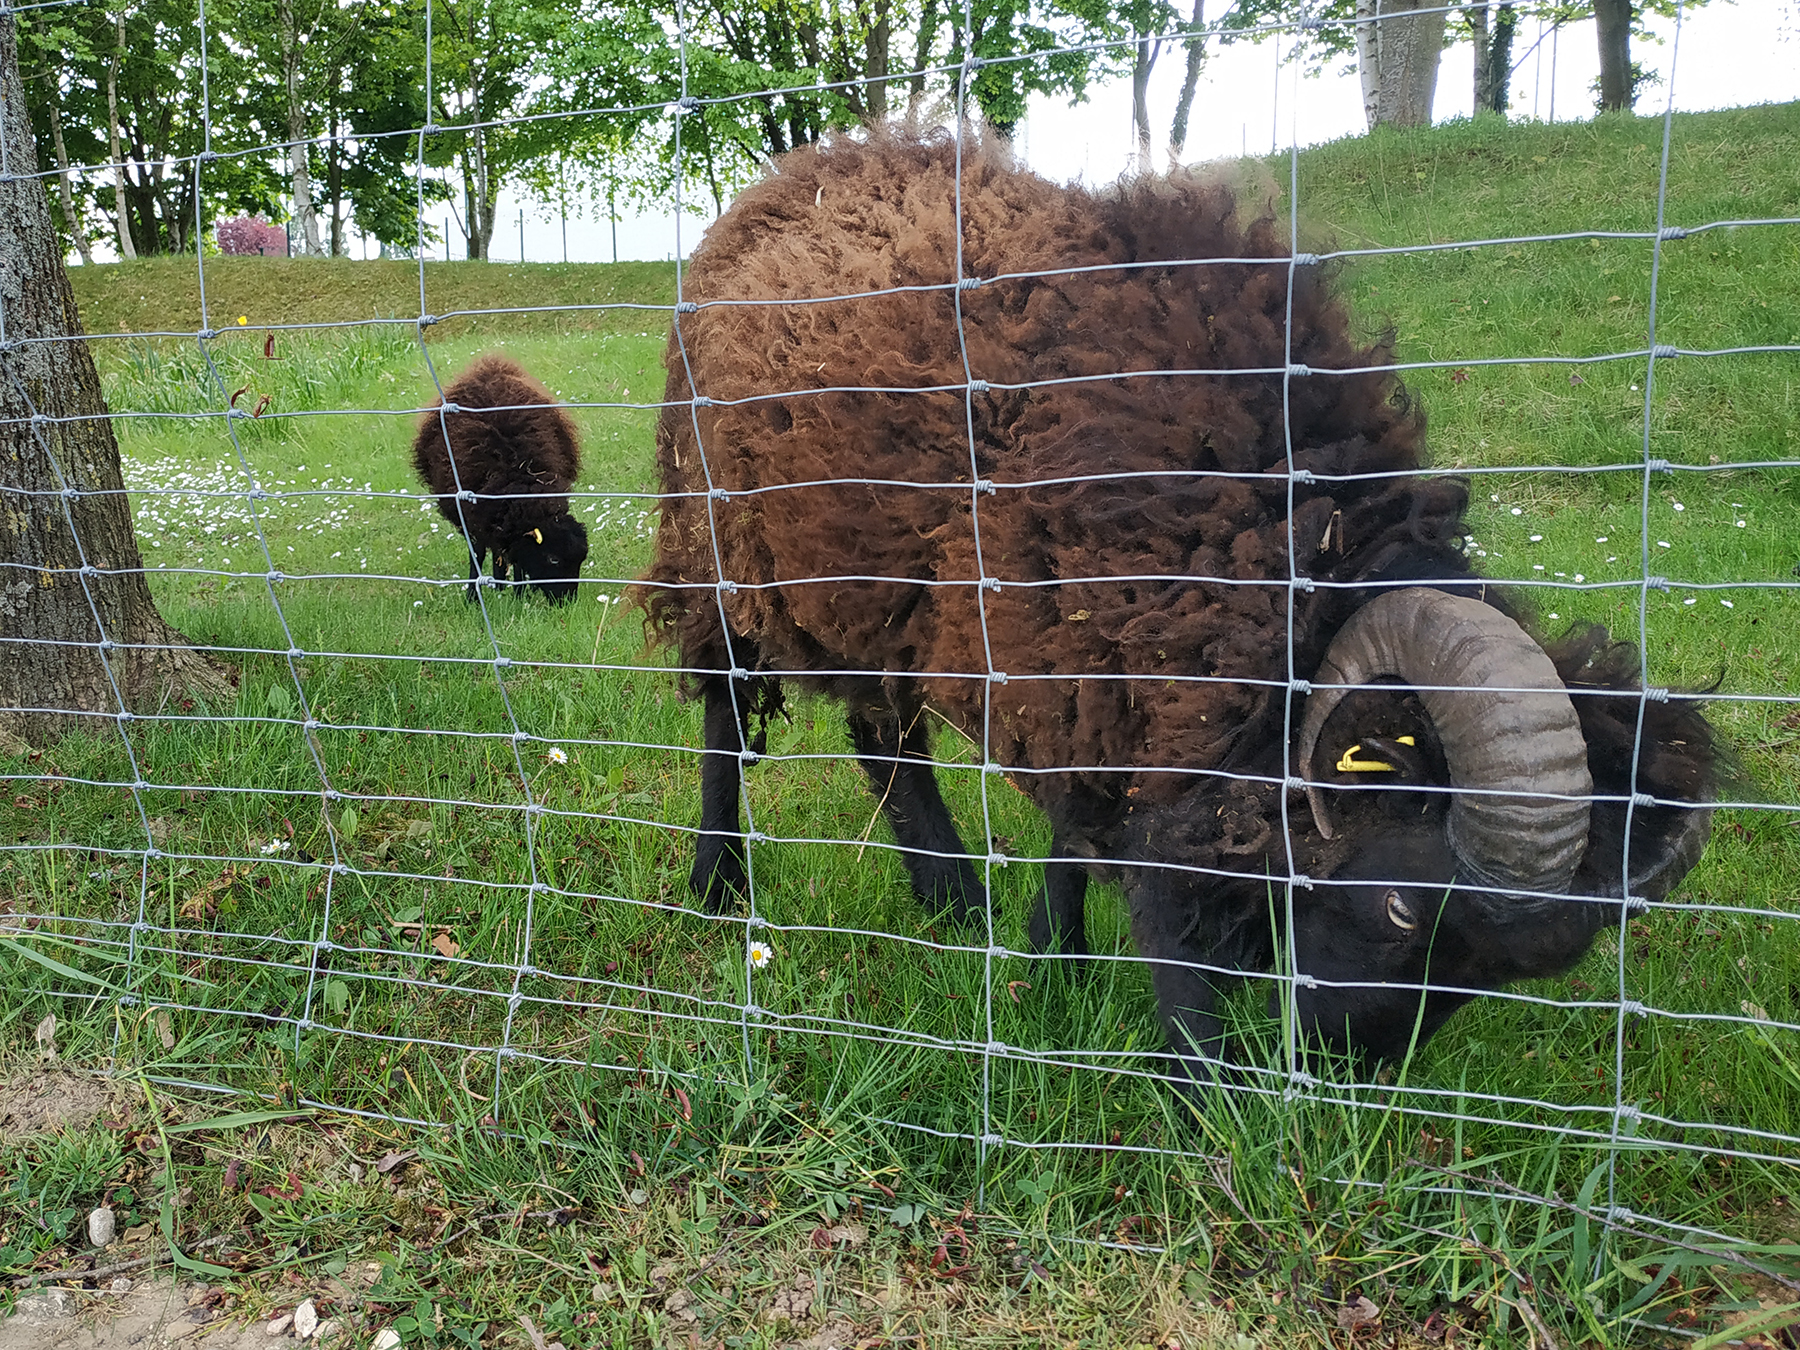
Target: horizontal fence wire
(368, 928)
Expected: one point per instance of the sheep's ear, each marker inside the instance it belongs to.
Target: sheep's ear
(538, 535)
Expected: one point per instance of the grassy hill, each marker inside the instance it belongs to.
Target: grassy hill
(162, 295)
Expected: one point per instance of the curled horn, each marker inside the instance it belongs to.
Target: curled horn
(538, 535)
(1505, 721)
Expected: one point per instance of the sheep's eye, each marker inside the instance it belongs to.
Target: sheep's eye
(1400, 913)
(553, 559)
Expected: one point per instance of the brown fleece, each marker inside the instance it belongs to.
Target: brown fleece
(1140, 576)
(523, 457)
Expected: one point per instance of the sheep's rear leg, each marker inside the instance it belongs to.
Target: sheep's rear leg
(1059, 921)
(720, 876)
(1187, 998)
(897, 759)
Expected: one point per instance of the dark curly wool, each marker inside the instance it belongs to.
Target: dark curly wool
(864, 217)
(519, 454)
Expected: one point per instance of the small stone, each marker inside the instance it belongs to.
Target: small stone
(279, 1327)
(197, 1295)
(121, 1285)
(306, 1320)
(330, 1330)
(103, 1225)
(386, 1339)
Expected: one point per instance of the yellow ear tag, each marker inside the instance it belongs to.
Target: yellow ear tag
(1350, 764)
(538, 535)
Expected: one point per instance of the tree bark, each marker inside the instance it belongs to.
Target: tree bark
(1499, 55)
(121, 212)
(299, 154)
(1397, 55)
(1477, 18)
(76, 229)
(1612, 22)
(1148, 49)
(875, 62)
(1190, 81)
(928, 26)
(79, 632)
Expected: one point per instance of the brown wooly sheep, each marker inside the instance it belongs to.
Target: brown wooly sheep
(510, 445)
(1135, 533)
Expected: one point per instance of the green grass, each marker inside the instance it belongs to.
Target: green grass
(431, 924)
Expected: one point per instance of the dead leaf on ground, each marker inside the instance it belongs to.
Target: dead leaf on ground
(444, 944)
(1357, 1313)
(165, 1031)
(390, 1160)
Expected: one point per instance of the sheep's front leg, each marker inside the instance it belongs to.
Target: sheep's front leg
(476, 553)
(897, 759)
(1185, 996)
(720, 876)
(1059, 921)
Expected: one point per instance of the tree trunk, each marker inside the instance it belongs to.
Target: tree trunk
(1477, 18)
(76, 229)
(928, 26)
(334, 188)
(78, 627)
(1190, 81)
(1398, 58)
(1506, 23)
(1612, 21)
(1143, 63)
(875, 62)
(121, 212)
(299, 155)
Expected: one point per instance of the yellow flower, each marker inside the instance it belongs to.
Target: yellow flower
(243, 319)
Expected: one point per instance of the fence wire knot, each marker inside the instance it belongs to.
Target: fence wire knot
(1656, 583)
(1637, 904)
(1298, 686)
(985, 487)
(687, 103)
(969, 284)
(1658, 466)
(978, 386)
(702, 401)
(1301, 881)
(1307, 259)
(719, 495)
(1663, 351)
(1656, 694)
(1294, 783)
(973, 64)
(748, 757)
(1297, 371)
(990, 583)
(1642, 799)
(686, 307)
(1632, 1008)
(729, 587)
(997, 1047)
(1671, 232)
(1303, 476)
(992, 1140)
(504, 662)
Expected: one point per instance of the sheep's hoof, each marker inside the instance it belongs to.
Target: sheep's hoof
(958, 896)
(720, 879)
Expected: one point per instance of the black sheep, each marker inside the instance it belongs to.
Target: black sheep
(497, 434)
(1103, 578)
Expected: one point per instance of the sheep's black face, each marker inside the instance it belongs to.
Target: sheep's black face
(1386, 924)
(550, 557)
(1381, 927)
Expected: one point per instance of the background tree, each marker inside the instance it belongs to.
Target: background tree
(55, 613)
(121, 87)
(1491, 29)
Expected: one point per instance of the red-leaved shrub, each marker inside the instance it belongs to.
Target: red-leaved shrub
(248, 235)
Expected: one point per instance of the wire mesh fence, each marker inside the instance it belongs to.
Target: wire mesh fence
(428, 859)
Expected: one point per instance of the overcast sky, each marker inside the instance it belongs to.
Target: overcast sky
(1730, 54)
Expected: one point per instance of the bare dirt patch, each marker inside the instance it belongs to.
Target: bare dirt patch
(51, 1099)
